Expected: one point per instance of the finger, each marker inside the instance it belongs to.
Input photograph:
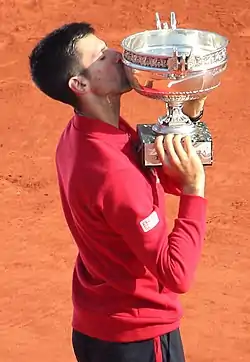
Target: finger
(160, 148)
(179, 149)
(170, 150)
(188, 146)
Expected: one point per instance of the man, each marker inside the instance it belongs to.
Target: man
(130, 270)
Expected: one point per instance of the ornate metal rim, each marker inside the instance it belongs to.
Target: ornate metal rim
(209, 61)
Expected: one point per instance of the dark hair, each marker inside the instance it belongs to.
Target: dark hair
(54, 60)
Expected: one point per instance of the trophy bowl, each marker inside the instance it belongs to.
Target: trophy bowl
(174, 65)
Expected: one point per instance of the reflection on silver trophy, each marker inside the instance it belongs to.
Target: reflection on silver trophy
(174, 65)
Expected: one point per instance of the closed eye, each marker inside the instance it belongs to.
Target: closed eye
(102, 52)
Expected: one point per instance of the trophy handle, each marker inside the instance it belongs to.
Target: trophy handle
(160, 25)
(173, 22)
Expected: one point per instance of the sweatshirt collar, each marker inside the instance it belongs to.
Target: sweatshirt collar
(96, 128)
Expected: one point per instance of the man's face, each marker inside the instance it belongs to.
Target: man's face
(106, 74)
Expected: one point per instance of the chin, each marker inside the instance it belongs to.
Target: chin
(126, 86)
(126, 89)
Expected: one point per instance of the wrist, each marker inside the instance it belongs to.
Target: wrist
(195, 117)
(194, 111)
(196, 190)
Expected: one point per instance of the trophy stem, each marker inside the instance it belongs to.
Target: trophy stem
(175, 121)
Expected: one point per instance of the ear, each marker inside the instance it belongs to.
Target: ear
(78, 84)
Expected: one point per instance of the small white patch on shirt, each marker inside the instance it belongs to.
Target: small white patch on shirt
(154, 173)
(150, 222)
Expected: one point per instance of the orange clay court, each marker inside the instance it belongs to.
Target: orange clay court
(37, 251)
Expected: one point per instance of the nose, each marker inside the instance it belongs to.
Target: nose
(117, 56)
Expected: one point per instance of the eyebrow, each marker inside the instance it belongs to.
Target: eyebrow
(104, 46)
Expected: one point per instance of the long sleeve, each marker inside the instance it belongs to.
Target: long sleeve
(129, 208)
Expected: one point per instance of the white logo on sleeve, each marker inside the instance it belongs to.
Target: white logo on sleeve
(150, 222)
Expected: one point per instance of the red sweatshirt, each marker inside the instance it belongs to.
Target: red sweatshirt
(130, 269)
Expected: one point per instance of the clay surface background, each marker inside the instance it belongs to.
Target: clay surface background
(37, 251)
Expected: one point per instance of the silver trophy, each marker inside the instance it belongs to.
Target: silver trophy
(174, 65)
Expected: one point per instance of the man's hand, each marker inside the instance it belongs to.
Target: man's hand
(181, 162)
(194, 107)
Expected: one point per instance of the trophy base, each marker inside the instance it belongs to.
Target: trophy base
(201, 139)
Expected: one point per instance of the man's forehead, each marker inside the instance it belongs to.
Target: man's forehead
(89, 43)
(89, 49)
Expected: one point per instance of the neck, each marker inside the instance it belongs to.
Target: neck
(106, 109)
